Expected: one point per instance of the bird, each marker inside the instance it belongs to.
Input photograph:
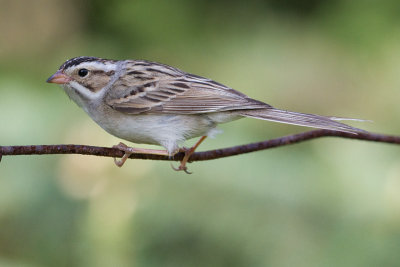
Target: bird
(146, 102)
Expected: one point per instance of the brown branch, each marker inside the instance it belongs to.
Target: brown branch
(206, 155)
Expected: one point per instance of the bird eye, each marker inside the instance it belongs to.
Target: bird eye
(83, 72)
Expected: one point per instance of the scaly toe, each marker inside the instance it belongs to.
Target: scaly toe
(181, 168)
(118, 162)
(121, 146)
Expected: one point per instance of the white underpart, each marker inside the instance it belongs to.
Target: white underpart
(214, 132)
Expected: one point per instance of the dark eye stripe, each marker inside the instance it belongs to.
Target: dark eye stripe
(109, 73)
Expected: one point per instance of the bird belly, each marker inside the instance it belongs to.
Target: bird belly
(167, 130)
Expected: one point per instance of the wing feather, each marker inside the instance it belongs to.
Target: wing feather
(147, 90)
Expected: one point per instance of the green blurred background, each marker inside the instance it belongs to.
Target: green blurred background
(327, 202)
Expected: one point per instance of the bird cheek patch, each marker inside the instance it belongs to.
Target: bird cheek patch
(97, 81)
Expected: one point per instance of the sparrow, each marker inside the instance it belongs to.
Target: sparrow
(152, 103)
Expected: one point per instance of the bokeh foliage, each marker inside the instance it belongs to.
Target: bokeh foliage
(327, 202)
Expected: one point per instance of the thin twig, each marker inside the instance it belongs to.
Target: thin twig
(198, 156)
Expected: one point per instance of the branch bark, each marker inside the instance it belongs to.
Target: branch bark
(198, 156)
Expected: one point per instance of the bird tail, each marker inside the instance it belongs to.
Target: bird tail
(302, 119)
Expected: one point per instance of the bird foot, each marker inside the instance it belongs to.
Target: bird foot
(188, 152)
(128, 151)
(181, 168)
(131, 150)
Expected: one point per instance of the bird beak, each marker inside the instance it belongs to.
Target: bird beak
(59, 78)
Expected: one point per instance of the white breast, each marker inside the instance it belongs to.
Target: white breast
(168, 131)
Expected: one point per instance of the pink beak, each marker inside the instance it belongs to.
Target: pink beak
(59, 78)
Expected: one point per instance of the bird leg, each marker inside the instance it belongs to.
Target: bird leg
(188, 152)
(131, 150)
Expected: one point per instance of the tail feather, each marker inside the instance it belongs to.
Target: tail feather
(301, 119)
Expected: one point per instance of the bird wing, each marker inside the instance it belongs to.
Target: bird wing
(148, 87)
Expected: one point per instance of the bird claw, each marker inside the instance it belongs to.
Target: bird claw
(119, 162)
(181, 167)
(188, 152)
(132, 150)
(128, 151)
(123, 147)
